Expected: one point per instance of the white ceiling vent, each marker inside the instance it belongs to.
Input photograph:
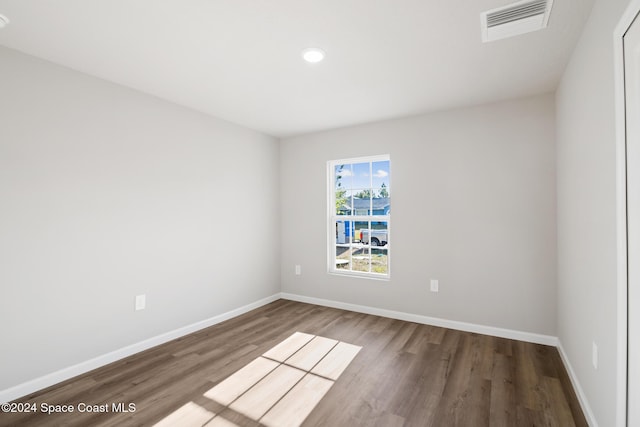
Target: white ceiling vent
(515, 19)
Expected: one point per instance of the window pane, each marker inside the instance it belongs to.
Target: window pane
(378, 235)
(360, 259)
(343, 258)
(379, 261)
(381, 205)
(344, 232)
(360, 228)
(362, 201)
(343, 202)
(361, 175)
(343, 174)
(380, 171)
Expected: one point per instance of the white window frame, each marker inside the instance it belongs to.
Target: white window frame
(333, 217)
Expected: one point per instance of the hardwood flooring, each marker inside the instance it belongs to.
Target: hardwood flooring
(405, 374)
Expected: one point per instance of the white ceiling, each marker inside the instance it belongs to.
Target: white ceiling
(239, 60)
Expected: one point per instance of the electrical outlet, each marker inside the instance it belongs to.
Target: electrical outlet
(141, 302)
(434, 285)
(298, 270)
(594, 355)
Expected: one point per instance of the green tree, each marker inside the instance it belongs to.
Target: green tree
(364, 194)
(341, 193)
(383, 191)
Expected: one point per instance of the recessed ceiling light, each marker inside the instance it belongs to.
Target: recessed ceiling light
(313, 55)
(4, 21)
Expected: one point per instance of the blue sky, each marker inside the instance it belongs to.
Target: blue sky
(359, 176)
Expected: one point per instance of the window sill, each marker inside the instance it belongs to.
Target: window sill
(376, 277)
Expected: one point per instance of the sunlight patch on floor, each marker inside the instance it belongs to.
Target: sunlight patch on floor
(278, 389)
(283, 386)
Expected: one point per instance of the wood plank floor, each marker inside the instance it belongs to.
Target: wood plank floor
(406, 374)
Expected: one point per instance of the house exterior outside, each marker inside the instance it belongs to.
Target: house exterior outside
(346, 231)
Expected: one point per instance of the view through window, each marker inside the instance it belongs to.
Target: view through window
(359, 216)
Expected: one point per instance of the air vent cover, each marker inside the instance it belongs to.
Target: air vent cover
(515, 19)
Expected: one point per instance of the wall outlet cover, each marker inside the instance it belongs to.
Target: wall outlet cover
(141, 302)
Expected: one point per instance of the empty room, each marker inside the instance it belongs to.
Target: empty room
(196, 220)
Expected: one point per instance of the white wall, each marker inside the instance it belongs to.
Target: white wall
(473, 194)
(106, 193)
(586, 136)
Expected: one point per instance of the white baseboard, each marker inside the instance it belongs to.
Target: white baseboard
(582, 398)
(45, 381)
(433, 321)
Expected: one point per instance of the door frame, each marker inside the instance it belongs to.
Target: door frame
(632, 10)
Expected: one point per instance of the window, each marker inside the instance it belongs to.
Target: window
(359, 216)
